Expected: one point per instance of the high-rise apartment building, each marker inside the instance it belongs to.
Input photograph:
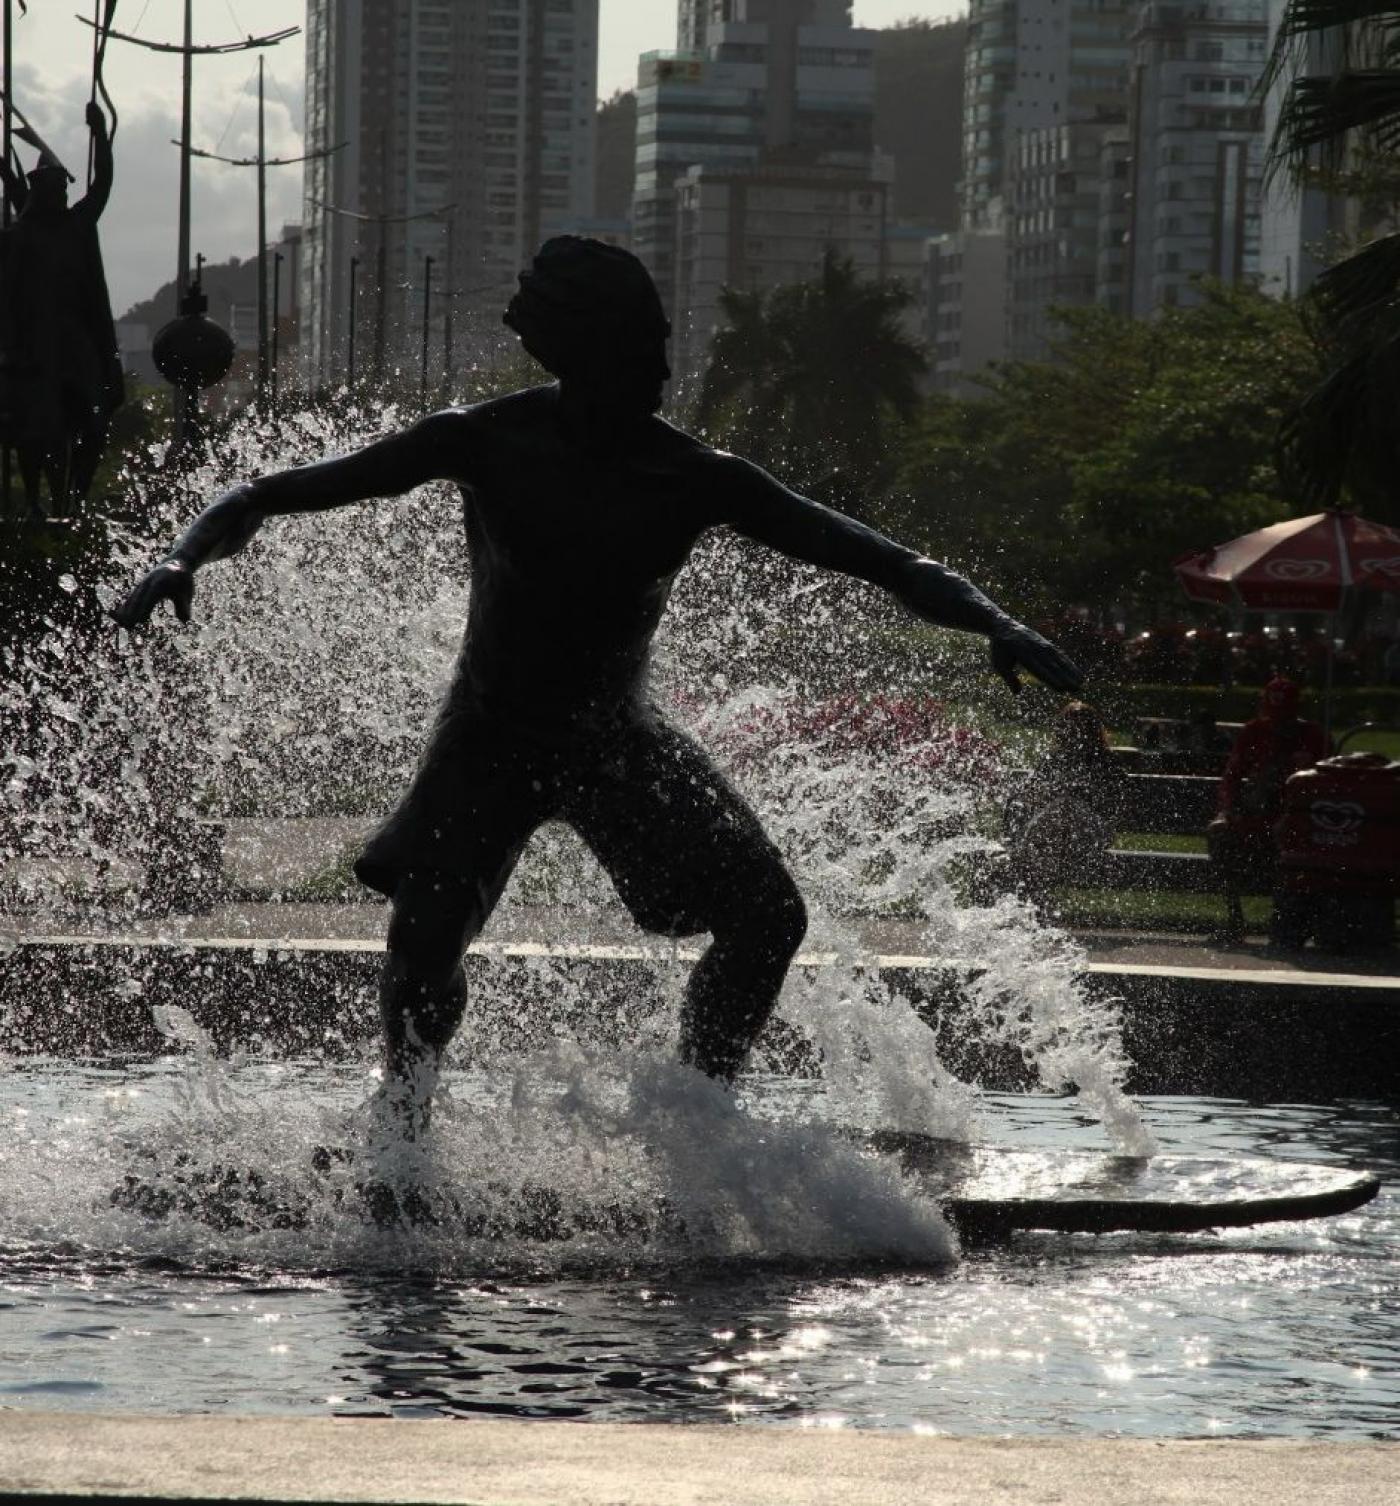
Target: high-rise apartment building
(465, 134)
(966, 306)
(1034, 65)
(1052, 229)
(1045, 85)
(743, 146)
(695, 18)
(1197, 148)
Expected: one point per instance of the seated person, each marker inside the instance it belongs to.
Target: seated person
(1275, 744)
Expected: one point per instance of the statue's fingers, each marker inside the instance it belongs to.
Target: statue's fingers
(1004, 662)
(127, 612)
(182, 598)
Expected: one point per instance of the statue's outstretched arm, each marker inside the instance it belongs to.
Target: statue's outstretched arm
(430, 450)
(763, 508)
(94, 201)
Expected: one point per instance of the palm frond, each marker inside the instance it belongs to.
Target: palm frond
(1347, 296)
(1349, 29)
(1315, 438)
(1344, 433)
(1320, 114)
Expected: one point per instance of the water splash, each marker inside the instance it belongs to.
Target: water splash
(306, 686)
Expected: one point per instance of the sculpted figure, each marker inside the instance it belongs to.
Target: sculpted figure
(63, 376)
(581, 506)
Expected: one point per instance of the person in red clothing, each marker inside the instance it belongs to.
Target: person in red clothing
(1276, 743)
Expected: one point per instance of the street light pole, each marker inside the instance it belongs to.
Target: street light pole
(427, 311)
(276, 341)
(450, 297)
(262, 245)
(350, 362)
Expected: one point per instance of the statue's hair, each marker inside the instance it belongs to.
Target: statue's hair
(580, 293)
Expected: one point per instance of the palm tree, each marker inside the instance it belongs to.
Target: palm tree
(1339, 128)
(809, 378)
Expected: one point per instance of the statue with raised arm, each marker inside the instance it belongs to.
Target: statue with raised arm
(581, 505)
(63, 375)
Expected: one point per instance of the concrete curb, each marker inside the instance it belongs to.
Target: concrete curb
(91, 1458)
(1228, 1032)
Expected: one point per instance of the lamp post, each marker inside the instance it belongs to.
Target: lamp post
(427, 314)
(350, 355)
(382, 223)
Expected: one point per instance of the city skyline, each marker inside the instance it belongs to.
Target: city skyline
(52, 59)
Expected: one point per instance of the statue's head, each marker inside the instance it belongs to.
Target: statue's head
(589, 313)
(48, 185)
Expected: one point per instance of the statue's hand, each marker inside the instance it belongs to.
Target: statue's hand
(1021, 648)
(96, 120)
(171, 581)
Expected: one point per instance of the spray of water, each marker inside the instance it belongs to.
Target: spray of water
(306, 686)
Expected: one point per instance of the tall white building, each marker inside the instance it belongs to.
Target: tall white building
(464, 132)
(1034, 65)
(1197, 149)
(1045, 86)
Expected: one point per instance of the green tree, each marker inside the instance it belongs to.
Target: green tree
(1081, 478)
(814, 380)
(1341, 439)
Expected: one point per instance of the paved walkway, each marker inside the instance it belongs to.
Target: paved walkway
(643, 1464)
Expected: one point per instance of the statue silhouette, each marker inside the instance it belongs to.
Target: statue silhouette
(581, 506)
(62, 371)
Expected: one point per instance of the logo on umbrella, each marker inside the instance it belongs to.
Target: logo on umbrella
(1297, 569)
(1336, 823)
(1373, 566)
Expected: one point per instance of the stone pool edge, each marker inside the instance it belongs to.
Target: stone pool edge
(504, 1463)
(1227, 1032)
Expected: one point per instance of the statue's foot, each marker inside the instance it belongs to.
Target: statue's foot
(401, 1107)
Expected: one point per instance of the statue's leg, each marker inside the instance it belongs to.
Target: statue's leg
(444, 858)
(422, 990)
(687, 854)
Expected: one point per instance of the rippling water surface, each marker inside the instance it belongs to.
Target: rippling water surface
(816, 1290)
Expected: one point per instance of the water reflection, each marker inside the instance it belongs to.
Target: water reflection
(1283, 1331)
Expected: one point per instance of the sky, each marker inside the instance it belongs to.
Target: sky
(53, 61)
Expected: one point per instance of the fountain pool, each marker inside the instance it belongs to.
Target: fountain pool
(812, 1285)
(816, 1297)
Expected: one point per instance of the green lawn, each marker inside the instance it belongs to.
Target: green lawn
(1147, 841)
(1141, 910)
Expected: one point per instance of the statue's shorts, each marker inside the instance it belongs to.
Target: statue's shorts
(682, 848)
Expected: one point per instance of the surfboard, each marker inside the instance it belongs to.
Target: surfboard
(989, 1192)
(992, 1191)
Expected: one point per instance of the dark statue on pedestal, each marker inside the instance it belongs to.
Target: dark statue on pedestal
(581, 507)
(60, 370)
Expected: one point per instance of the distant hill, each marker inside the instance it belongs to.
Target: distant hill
(225, 283)
(918, 116)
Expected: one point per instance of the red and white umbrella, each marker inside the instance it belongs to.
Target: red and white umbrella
(1303, 565)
